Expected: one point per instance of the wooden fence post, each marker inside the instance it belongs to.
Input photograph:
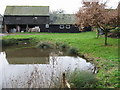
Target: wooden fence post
(64, 82)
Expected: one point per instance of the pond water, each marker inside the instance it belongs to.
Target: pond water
(42, 67)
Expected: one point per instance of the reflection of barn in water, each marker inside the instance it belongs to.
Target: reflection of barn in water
(28, 56)
(20, 18)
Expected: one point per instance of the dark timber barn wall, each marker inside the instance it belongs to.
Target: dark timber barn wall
(26, 17)
(55, 28)
(26, 21)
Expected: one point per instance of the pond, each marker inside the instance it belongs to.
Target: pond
(41, 67)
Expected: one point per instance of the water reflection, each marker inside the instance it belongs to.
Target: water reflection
(28, 56)
(18, 70)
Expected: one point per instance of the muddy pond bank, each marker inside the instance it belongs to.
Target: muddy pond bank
(16, 47)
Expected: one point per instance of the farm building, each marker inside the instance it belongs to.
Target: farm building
(25, 18)
(21, 18)
(1, 20)
(64, 23)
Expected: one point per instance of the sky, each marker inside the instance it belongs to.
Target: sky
(69, 6)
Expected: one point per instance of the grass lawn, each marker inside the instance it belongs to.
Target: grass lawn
(105, 57)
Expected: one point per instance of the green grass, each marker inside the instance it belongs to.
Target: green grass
(85, 42)
(105, 57)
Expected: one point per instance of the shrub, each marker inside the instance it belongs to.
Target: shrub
(115, 33)
(63, 46)
(44, 45)
(57, 45)
(9, 42)
(73, 51)
(82, 79)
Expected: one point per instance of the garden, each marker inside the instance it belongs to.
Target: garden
(85, 45)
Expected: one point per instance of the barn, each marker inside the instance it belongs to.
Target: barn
(63, 23)
(21, 18)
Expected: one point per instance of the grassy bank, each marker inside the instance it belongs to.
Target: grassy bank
(105, 57)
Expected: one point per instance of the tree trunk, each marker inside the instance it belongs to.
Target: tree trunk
(106, 33)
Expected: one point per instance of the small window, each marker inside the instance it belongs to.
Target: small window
(67, 26)
(47, 25)
(61, 27)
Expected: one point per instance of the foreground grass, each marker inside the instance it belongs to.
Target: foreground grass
(105, 57)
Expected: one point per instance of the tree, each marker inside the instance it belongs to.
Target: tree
(94, 13)
(118, 13)
(56, 14)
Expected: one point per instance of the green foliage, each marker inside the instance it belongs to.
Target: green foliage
(82, 79)
(73, 51)
(63, 46)
(115, 33)
(117, 28)
(9, 42)
(16, 41)
(86, 42)
(44, 45)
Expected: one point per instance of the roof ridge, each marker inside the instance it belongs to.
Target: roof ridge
(24, 6)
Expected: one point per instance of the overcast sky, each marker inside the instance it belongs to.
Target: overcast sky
(70, 6)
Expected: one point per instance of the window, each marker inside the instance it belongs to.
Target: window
(61, 27)
(67, 26)
(47, 25)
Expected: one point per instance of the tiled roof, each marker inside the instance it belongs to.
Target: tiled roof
(63, 19)
(27, 10)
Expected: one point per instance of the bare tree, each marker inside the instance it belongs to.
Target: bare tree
(54, 15)
(94, 13)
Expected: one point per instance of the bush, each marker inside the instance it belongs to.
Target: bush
(63, 46)
(9, 42)
(82, 79)
(115, 33)
(117, 28)
(73, 51)
(44, 45)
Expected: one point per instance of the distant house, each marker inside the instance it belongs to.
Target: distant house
(1, 22)
(63, 23)
(21, 18)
